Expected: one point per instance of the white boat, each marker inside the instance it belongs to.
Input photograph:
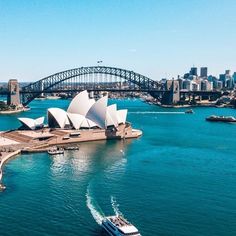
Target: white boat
(2, 187)
(118, 226)
(190, 111)
(72, 148)
(55, 151)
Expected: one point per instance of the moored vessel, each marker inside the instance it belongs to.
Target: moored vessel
(221, 118)
(55, 151)
(118, 226)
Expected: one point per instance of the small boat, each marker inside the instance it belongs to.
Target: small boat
(2, 187)
(221, 118)
(72, 148)
(55, 151)
(190, 111)
(118, 226)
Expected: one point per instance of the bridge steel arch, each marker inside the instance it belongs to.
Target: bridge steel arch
(47, 84)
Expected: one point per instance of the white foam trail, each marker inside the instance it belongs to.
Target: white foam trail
(115, 206)
(94, 208)
(157, 112)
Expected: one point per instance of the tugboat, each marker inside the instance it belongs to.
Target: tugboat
(221, 118)
(55, 151)
(118, 226)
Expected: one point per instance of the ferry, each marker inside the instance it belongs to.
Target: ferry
(221, 118)
(118, 226)
(55, 151)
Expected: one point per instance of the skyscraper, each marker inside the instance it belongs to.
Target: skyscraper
(203, 72)
(193, 71)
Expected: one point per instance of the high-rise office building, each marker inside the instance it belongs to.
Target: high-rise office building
(203, 72)
(193, 71)
(234, 76)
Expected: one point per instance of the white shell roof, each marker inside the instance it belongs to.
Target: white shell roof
(80, 104)
(31, 123)
(76, 119)
(60, 116)
(87, 113)
(97, 112)
(122, 115)
(40, 120)
(111, 116)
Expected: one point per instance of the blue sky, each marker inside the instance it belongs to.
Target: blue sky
(159, 38)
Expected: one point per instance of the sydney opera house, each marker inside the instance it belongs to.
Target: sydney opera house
(82, 113)
(90, 119)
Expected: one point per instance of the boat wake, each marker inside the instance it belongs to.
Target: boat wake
(157, 112)
(115, 206)
(94, 208)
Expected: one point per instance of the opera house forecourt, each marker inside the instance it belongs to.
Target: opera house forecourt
(84, 120)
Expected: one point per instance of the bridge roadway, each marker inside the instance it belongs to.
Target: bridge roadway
(182, 92)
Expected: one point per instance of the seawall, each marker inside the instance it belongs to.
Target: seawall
(4, 159)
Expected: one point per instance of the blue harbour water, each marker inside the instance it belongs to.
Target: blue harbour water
(179, 178)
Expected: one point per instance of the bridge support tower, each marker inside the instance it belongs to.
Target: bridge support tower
(172, 94)
(13, 98)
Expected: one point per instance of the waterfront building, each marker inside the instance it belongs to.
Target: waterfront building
(222, 78)
(214, 81)
(86, 113)
(234, 77)
(219, 85)
(229, 83)
(192, 77)
(187, 85)
(181, 81)
(82, 113)
(194, 86)
(206, 85)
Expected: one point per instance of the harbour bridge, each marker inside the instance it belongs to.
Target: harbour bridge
(93, 78)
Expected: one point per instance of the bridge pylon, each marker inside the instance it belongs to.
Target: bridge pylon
(13, 98)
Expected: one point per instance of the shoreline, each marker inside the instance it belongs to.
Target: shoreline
(190, 105)
(9, 112)
(3, 162)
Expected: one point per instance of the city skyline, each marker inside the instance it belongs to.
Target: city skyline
(157, 39)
